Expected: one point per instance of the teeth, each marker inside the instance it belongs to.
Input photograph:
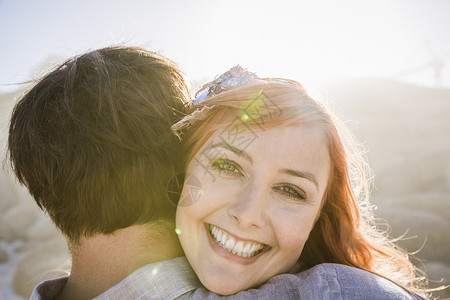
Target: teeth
(238, 248)
(218, 235)
(223, 238)
(229, 243)
(246, 250)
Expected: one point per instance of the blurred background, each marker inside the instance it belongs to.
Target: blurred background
(383, 66)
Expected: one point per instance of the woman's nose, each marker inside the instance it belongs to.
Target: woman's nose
(249, 208)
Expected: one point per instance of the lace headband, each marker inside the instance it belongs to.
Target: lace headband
(234, 77)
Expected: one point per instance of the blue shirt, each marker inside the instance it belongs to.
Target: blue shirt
(174, 279)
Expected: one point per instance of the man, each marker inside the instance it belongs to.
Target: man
(92, 143)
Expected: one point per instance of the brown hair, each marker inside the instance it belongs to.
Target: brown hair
(92, 142)
(345, 232)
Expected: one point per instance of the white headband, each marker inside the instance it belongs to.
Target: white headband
(234, 77)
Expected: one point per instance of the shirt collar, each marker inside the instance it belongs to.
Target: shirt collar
(167, 279)
(49, 289)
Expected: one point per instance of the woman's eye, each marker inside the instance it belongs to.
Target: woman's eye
(226, 167)
(291, 192)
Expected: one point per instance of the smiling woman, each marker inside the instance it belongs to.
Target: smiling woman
(283, 188)
(252, 200)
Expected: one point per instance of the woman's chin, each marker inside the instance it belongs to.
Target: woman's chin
(224, 287)
(224, 290)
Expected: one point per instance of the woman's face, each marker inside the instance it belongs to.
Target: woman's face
(249, 202)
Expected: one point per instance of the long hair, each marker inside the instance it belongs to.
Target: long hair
(345, 232)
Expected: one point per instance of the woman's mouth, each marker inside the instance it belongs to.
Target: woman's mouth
(229, 243)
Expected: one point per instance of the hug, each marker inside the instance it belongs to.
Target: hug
(274, 203)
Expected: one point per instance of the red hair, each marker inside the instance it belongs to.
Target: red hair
(345, 232)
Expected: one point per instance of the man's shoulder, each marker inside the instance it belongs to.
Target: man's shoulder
(166, 279)
(160, 280)
(49, 289)
(324, 281)
(345, 282)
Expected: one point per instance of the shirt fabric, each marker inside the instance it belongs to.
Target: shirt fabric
(322, 282)
(166, 279)
(174, 279)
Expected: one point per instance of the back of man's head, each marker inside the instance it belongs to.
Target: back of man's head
(92, 141)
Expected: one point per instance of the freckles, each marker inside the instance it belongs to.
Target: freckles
(298, 235)
(295, 229)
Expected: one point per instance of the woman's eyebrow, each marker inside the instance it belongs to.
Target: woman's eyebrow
(305, 175)
(233, 149)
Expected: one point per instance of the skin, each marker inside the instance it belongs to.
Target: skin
(266, 191)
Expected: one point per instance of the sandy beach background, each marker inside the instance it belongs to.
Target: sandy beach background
(406, 129)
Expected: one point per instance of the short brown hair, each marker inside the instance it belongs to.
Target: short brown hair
(92, 141)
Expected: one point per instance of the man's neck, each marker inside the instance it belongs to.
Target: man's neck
(101, 261)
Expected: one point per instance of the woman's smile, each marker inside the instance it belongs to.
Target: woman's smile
(257, 206)
(240, 250)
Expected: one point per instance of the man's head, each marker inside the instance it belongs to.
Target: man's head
(92, 141)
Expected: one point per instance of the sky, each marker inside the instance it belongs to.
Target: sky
(309, 41)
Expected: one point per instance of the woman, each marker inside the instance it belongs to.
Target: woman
(275, 184)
